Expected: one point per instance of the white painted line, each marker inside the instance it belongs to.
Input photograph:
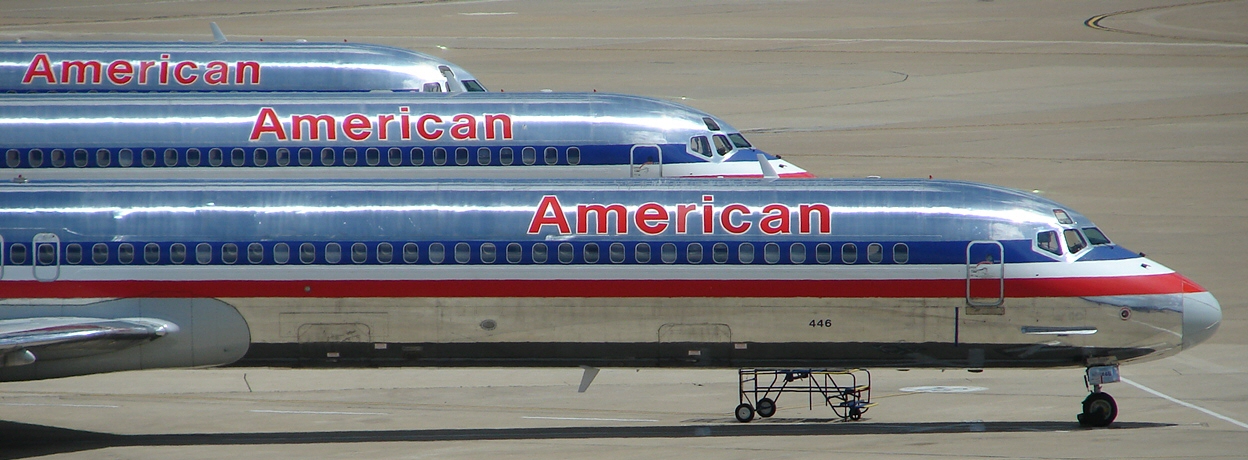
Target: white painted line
(590, 419)
(941, 389)
(1183, 403)
(310, 412)
(60, 405)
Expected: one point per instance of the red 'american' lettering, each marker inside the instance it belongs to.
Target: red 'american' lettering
(125, 72)
(359, 127)
(656, 218)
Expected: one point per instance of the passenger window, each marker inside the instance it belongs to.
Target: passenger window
(125, 253)
(700, 146)
(260, 157)
(901, 253)
(528, 155)
(1047, 240)
(385, 253)
(565, 253)
(771, 253)
(305, 157)
(745, 253)
(461, 156)
(17, 254)
(875, 253)
(103, 158)
(73, 253)
(1074, 240)
(797, 253)
(539, 253)
(668, 253)
(255, 253)
(437, 253)
(514, 253)
(125, 158)
(192, 157)
(849, 253)
(177, 253)
(617, 253)
(552, 155)
(238, 157)
(823, 253)
(439, 156)
(203, 253)
(418, 156)
(506, 156)
(333, 253)
(722, 145)
(1095, 237)
(283, 156)
(171, 157)
(641, 253)
(151, 253)
(719, 253)
(328, 157)
(216, 157)
(372, 156)
(349, 156)
(590, 252)
(574, 156)
(58, 158)
(489, 253)
(99, 253)
(307, 253)
(693, 253)
(411, 253)
(463, 253)
(281, 253)
(359, 253)
(36, 158)
(80, 158)
(148, 157)
(13, 158)
(47, 253)
(483, 156)
(229, 253)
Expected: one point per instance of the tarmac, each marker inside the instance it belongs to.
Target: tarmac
(1135, 113)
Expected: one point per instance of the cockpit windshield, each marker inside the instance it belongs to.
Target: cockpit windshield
(473, 86)
(739, 141)
(1095, 236)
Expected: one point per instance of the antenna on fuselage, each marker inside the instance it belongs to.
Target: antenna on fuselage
(217, 36)
(769, 173)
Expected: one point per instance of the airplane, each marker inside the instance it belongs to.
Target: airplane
(375, 134)
(103, 276)
(43, 67)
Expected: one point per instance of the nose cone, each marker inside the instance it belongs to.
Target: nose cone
(1201, 316)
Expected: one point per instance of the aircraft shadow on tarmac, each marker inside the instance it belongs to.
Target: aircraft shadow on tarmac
(21, 440)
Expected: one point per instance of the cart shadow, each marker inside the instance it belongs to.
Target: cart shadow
(21, 440)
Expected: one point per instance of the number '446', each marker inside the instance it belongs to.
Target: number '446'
(820, 323)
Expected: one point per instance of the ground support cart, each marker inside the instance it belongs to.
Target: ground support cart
(846, 391)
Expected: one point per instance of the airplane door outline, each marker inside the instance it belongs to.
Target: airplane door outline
(47, 256)
(4, 254)
(985, 274)
(646, 161)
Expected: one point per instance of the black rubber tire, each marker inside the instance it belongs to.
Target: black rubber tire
(855, 413)
(744, 413)
(766, 407)
(1099, 410)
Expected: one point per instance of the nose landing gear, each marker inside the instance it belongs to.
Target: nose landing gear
(1099, 408)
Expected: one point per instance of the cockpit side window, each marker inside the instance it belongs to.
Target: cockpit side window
(1048, 241)
(739, 141)
(1074, 240)
(432, 87)
(473, 86)
(1095, 236)
(722, 146)
(700, 145)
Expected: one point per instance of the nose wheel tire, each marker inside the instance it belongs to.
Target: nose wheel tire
(744, 413)
(1099, 410)
(766, 407)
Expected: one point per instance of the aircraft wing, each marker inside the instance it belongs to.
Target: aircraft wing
(25, 340)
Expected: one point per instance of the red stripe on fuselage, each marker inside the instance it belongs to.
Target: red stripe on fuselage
(948, 288)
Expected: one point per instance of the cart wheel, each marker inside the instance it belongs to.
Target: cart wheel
(1099, 409)
(766, 407)
(855, 413)
(744, 413)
